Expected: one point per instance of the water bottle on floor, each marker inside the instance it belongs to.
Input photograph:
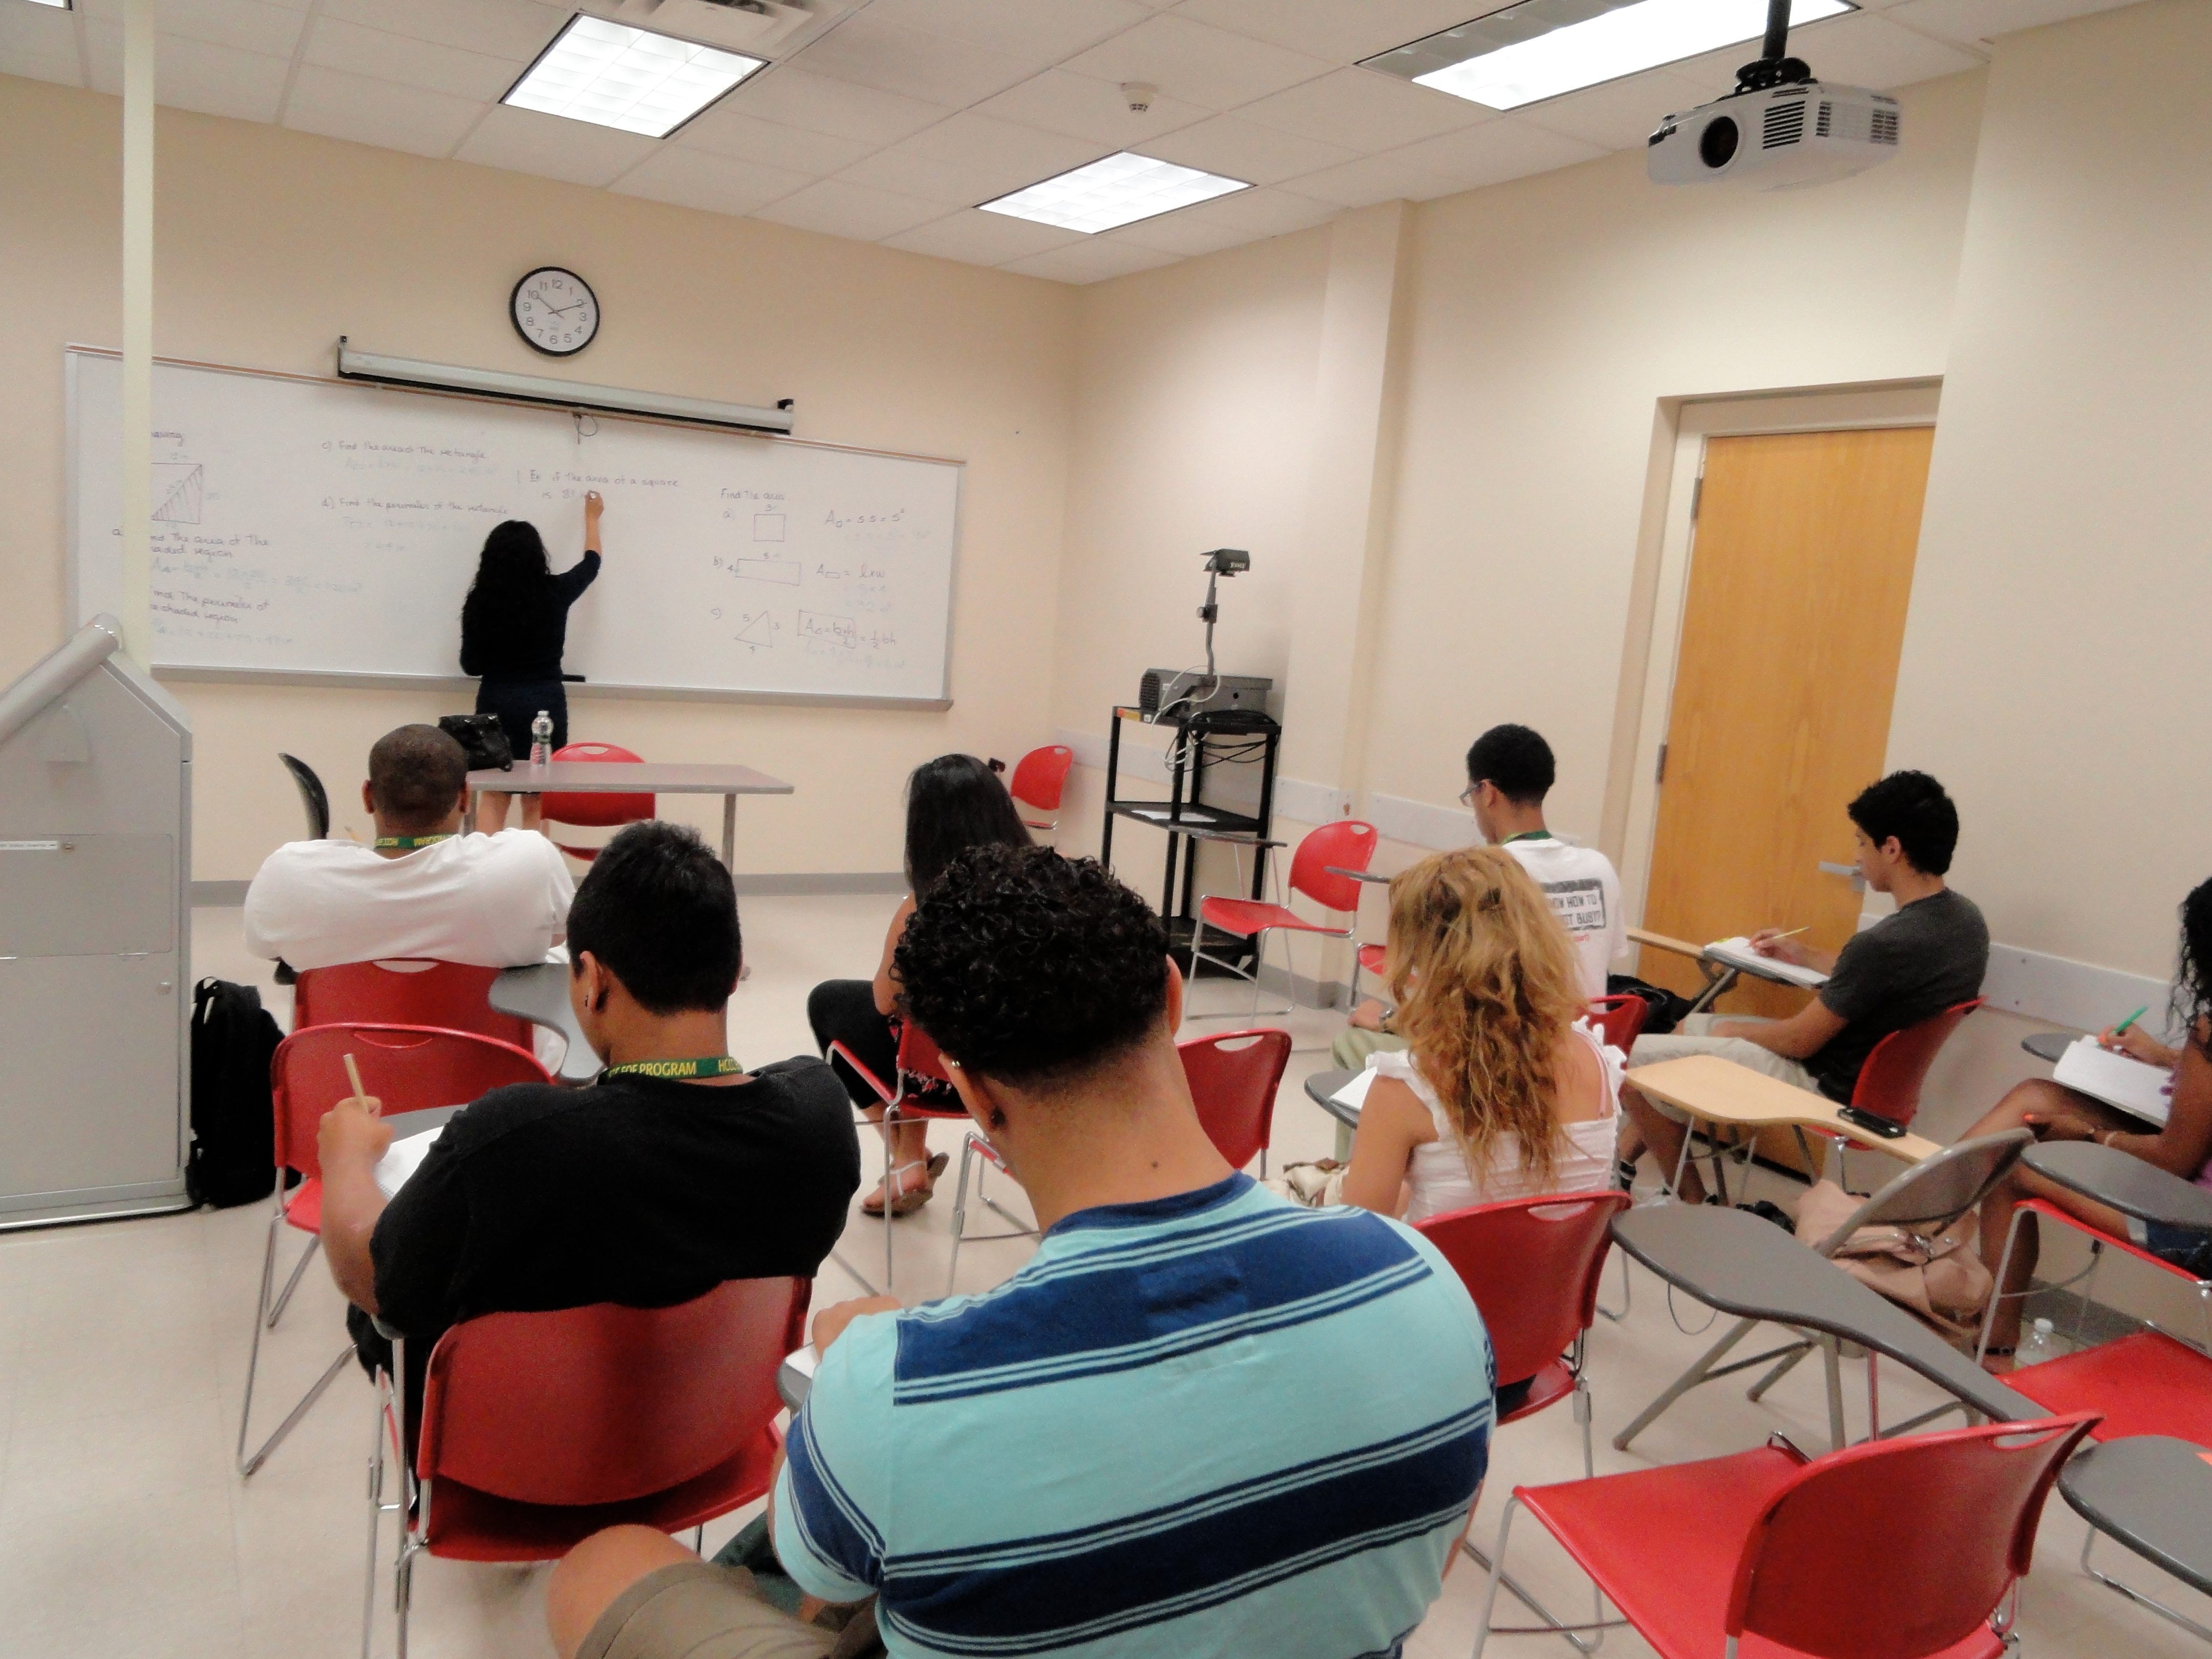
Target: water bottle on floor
(541, 741)
(2040, 1344)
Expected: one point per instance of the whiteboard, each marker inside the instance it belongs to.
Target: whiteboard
(311, 529)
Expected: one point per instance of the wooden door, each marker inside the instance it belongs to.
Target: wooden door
(1800, 572)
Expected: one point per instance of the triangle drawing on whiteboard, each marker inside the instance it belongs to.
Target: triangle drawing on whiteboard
(759, 631)
(178, 486)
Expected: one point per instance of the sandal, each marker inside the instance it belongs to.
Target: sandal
(1988, 1354)
(909, 1199)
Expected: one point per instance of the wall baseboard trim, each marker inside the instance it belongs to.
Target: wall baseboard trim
(2077, 994)
(1439, 828)
(803, 884)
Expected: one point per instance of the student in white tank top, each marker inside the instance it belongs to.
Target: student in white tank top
(1504, 1091)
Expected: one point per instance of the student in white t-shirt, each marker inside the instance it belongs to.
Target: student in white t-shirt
(1510, 771)
(424, 890)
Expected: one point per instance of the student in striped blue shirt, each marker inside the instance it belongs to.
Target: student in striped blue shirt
(1201, 1420)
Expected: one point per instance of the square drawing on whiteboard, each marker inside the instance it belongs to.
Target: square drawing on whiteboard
(786, 571)
(768, 526)
(178, 488)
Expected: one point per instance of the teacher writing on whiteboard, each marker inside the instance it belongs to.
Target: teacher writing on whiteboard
(513, 625)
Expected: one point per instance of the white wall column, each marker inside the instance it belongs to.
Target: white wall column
(138, 328)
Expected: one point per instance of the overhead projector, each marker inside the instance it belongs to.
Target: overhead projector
(1779, 130)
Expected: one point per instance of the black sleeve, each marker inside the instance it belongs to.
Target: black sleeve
(570, 584)
(416, 1246)
(472, 657)
(1865, 975)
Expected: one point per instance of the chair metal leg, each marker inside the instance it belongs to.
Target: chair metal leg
(959, 1209)
(1627, 1291)
(375, 1516)
(2136, 1596)
(1873, 1395)
(1788, 1362)
(1997, 1289)
(314, 1245)
(260, 1320)
(330, 1376)
(1831, 1358)
(1583, 1639)
(1682, 1384)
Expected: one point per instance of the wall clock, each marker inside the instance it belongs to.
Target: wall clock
(555, 311)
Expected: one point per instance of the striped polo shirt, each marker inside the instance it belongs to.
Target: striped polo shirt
(1216, 1423)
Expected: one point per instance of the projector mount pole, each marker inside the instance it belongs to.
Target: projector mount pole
(1775, 67)
(1209, 613)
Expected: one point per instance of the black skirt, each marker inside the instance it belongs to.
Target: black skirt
(517, 702)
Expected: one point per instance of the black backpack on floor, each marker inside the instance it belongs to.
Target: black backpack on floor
(234, 1123)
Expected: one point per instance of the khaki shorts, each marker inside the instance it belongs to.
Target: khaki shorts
(697, 1610)
(1693, 1037)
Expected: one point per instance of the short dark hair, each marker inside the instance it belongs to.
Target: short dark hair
(1032, 968)
(1912, 806)
(2192, 976)
(953, 803)
(660, 912)
(1517, 759)
(415, 774)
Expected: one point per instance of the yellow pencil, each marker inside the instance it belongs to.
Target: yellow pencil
(354, 1071)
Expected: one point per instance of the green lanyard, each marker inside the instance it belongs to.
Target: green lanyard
(712, 1065)
(409, 844)
(1527, 834)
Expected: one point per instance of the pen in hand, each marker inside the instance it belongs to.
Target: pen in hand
(2120, 1029)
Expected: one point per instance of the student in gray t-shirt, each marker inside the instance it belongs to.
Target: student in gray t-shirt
(1904, 968)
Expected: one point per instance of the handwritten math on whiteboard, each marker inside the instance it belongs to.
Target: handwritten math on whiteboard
(326, 527)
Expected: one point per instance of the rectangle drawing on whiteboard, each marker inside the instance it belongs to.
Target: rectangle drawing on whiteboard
(788, 572)
(326, 528)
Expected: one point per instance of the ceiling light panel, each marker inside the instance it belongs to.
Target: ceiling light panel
(614, 76)
(1119, 189)
(1542, 48)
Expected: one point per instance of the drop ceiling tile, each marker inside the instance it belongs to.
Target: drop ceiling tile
(1264, 212)
(1492, 153)
(499, 28)
(1386, 178)
(1978, 22)
(1619, 115)
(1332, 29)
(1714, 71)
(1236, 149)
(1090, 261)
(914, 64)
(838, 208)
(339, 44)
(191, 74)
(381, 113)
(903, 173)
(1365, 112)
(553, 146)
(1206, 66)
(718, 184)
(1083, 107)
(982, 238)
(1022, 155)
(1865, 51)
(37, 32)
(726, 129)
(813, 103)
(1181, 232)
(243, 25)
(1019, 28)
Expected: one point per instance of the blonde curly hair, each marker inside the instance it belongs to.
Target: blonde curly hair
(1486, 983)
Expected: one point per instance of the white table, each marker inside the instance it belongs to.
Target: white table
(633, 778)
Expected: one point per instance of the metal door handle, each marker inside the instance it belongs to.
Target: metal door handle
(1851, 870)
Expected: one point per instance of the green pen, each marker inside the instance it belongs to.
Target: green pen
(2121, 1029)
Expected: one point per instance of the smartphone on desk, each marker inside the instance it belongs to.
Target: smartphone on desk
(1858, 1118)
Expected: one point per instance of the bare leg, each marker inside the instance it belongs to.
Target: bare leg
(491, 811)
(589, 1579)
(531, 808)
(1663, 1136)
(909, 1159)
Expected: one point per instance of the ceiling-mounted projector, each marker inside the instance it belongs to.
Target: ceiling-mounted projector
(1779, 130)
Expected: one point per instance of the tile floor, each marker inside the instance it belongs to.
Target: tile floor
(125, 1533)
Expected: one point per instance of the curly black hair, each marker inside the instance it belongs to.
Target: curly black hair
(2192, 974)
(1032, 968)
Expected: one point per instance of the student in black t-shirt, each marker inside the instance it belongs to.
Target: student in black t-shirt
(676, 1170)
(1927, 956)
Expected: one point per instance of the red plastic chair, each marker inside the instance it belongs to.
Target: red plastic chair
(1889, 1082)
(1768, 1552)
(408, 1068)
(1369, 958)
(1233, 1077)
(1620, 1020)
(1039, 778)
(1348, 845)
(540, 1429)
(594, 811)
(920, 1089)
(405, 991)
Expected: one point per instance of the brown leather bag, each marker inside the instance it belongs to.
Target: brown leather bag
(1938, 1276)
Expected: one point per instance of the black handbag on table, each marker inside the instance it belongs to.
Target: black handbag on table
(482, 737)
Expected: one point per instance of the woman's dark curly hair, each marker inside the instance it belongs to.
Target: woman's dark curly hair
(2192, 974)
(1032, 968)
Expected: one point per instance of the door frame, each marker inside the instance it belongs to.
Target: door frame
(1647, 686)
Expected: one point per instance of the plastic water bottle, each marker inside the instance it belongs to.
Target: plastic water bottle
(2041, 1344)
(541, 741)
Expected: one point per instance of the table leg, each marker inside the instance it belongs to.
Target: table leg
(730, 833)
(1343, 1153)
(468, 813)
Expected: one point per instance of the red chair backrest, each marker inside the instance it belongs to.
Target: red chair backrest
(405, 991)
(595, 808)
(1349, 845)
(1620, 1020)
(1889, 1083)
(1040, 774)
(919, 1059)
(408, 1068)
(1532, 1266)
(1233, 1077)
(606, 1404)
(1900, 1548)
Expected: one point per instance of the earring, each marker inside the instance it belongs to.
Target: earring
(950, 1064)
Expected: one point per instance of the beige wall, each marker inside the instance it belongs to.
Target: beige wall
(271, 244)
(2051, 673)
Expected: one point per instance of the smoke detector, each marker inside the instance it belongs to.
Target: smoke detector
(1140, 94)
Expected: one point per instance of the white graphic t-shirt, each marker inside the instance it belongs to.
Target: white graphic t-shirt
(1585, 895)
